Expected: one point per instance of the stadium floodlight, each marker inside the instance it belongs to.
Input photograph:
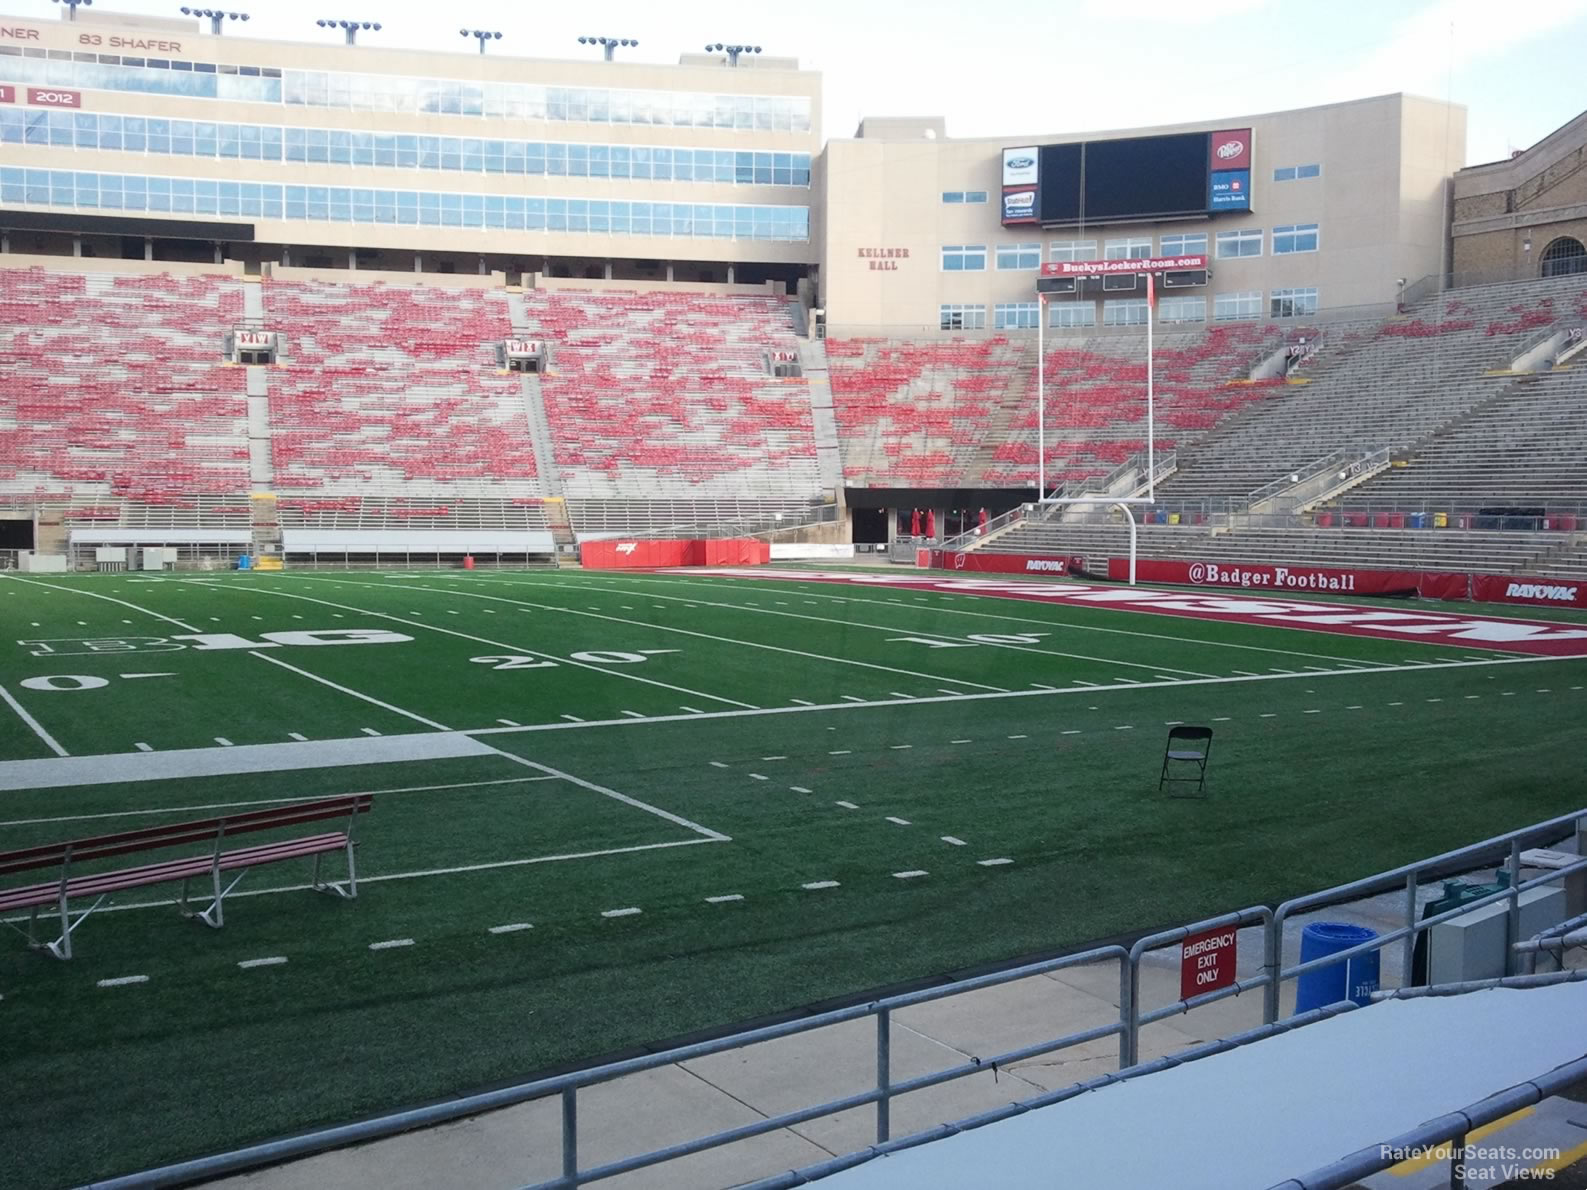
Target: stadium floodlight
(216, 17)
(351, 28)
(732, 51)
(481, 36)
(609, 44)
(71, 6)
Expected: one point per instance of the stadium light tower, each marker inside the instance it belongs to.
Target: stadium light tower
(609, 44)
(732, 51)
(216, 17)
(351, 28)
(71, 6)
(481, 36)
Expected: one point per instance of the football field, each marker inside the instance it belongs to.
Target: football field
(612, 809)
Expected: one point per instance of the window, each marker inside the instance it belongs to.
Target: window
(1019, 256)
(1134, 248)
(1247, 242)
(963, 258)
(1285, 173)
(1017, 316)
(1302, 237)
(1308, 171)
(1068, 314)
(962, 318)
(1289, 173)
(1182, 309)
(1124, 312)
(1293, 303)
(963, 196)
(1188, 244)
(1072, 250)
(1227, 307)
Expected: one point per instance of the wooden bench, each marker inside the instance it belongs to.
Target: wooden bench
(213, 833)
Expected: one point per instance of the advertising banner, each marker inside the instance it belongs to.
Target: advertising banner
(1019, 205)
(1257, 577)
(1019, 167)
(1229, 190)
(8, 94)
(1106, 268)
(637, 555)
(1542, 592)
(1230, 149)
(979, 563)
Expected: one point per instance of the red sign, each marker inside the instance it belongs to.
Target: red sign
(633, 555)
(1103, 268)
(49, 97)
(1545, 592)
(1259, 577)
(979, 563)
(1231, 149)
(255, 339)
(1207, 961)
(8, 94)
(517, 347)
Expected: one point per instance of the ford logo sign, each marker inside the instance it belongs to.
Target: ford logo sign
(1231, 148)
(1020, 162)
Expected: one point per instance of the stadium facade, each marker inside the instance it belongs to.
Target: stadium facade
(134, 136)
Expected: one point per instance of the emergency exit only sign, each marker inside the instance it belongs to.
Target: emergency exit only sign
(1206, 962)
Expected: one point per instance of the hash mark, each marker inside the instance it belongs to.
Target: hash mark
(951, 841)
(633, 714)
(911, 874)
(992, 863)
(123, 981)
(508, 723)
(273, 961)
(223, 741)
(903, 747)
(846, 805)
(961, 741)
(628, 912)
(391, 944)
(722, 900)
(899, 821)
(302, 739)
(815, 884)
(511, 927)
(759, 776)
(841, 752)
(143, 748)
(572, 718)
(799, 789)
(1019, 737)
(368, 731)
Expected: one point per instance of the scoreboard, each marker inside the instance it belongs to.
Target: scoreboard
(1136, 178)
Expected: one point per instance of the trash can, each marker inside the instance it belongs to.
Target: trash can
(468, 561)
(1355, 978)
(1325, 520)
(1173, 518)
(244, 562)
(1440, 520)
(1416, 520)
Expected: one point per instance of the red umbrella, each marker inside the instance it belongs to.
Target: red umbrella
(931, 522)
(914, 522)
(983, 520)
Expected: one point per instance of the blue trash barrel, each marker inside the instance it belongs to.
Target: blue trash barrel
(1355, 978)
(1417, 520)
(244, 562)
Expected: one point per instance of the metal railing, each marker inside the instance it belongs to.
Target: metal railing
(974, 536)
(1132, 1017)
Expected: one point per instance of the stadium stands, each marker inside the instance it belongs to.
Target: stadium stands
(113, 386)
(387, 386)
(664, 395)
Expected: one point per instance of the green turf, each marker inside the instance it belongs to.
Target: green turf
(1390, 766)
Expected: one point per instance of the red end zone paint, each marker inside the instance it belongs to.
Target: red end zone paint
(1480, 632)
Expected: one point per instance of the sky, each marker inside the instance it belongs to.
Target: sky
(1069, 66)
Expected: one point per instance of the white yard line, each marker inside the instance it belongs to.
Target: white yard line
(725, 640)
(607, 670)
(50, 741)
(862, 704)
(1017, 648)
(986, 615)
(369, 698)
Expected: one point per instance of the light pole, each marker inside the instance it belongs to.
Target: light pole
(351, 28)
(609, 44)
(215, 15)
(481, 36)
(71, 6)
(732, 51)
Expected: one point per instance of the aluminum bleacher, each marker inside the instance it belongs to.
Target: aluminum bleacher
(113, 386)
(667, 395)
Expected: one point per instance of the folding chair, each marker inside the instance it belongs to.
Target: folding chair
(1197, 756)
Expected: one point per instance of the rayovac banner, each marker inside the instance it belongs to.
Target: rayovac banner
(1541, 592)
(979, 563)
(1103, 268)
(639, 555)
